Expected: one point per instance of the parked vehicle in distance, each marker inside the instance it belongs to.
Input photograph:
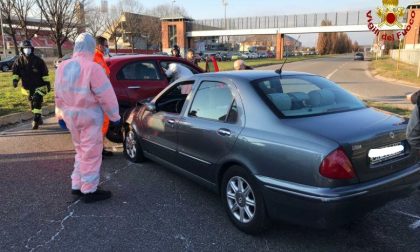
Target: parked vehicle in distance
(359, 56)
(262, 55)
(7, 63)
(271, 54)
(161, 53)
(64, 58)
(254, 55)
(284, 146)
(226, 56)
(236, 56)
(207, 56)
(245, 55)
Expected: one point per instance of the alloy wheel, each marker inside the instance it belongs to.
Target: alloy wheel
(241, 199)
(130, 144)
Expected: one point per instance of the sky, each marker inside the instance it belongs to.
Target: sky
(207, 9)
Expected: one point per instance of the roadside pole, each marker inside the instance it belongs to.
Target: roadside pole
(2, 34)
(399, 56)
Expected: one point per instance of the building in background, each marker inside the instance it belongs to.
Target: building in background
(412, 39)
(45, 47)
(135, 33)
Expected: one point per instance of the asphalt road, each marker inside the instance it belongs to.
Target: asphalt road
(354, 77)
(154, 209)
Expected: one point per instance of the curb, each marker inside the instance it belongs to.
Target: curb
(382, 78)
(24, 116)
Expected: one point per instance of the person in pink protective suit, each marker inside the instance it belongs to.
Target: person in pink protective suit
(83, 93)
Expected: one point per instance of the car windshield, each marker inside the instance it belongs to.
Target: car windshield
(305, 95)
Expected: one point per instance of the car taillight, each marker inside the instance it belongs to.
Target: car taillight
(337, 166)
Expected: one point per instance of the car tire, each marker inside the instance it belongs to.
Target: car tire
(5, 68)
(245, 208)
(132, 147)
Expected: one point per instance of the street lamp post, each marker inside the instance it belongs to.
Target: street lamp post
(225, 4)
(2, 33)
(173, 26)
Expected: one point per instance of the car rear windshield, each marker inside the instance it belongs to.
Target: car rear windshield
(305, 95)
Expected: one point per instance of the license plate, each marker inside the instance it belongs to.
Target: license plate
(386, 153)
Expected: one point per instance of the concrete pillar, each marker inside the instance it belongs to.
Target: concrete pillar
(279, 46)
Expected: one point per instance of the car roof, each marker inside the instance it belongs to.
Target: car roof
(251, 75)
(139, 56)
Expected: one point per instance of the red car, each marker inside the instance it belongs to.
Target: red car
(138, 77)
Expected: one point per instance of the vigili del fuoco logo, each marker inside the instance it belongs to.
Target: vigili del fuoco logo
(390, 14)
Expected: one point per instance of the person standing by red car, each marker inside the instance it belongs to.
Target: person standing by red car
(102, 49)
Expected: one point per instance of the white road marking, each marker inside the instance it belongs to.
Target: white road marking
(416, 224)
(331, 74)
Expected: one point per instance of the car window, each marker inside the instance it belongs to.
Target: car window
(305, 95)
(139, 70)
(213, 100)
(165, 65)
(173, 99)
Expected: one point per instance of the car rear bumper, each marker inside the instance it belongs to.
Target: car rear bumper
(332, 207)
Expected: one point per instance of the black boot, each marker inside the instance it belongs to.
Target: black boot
(106, 153)
(36, 121)
(35, 125)
(76, 192)
(98, 195)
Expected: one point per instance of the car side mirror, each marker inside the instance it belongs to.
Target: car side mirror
(151, 107)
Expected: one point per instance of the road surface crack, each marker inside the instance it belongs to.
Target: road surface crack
(70, 215)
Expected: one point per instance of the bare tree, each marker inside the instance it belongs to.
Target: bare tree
(133, 24)
(132, 21)
(95, 21)
(22, 9)
(152, 29)
(164, 11)
(64, 17)
(6, 10)
(112, 25)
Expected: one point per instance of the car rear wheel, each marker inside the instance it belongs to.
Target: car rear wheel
(243, 201)
(132, 148)
(5, 68)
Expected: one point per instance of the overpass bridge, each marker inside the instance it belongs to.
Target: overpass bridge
(349, 21)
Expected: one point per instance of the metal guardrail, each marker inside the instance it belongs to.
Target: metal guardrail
(285, 21)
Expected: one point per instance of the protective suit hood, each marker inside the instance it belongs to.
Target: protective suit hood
(84, 46)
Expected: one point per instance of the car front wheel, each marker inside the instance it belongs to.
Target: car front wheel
(132, 147)
(243, 201)
(5, 68)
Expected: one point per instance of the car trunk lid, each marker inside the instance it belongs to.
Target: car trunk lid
(374, 141)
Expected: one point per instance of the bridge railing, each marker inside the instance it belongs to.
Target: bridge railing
(285, 21)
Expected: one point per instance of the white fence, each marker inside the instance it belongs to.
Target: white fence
(407, 56)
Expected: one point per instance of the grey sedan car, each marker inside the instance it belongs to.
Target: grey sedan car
(276, 146)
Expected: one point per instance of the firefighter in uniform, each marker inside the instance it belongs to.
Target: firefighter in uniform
(33, 72)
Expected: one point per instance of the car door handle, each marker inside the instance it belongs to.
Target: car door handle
(224, 132)
(134, 87)
(171, 122)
